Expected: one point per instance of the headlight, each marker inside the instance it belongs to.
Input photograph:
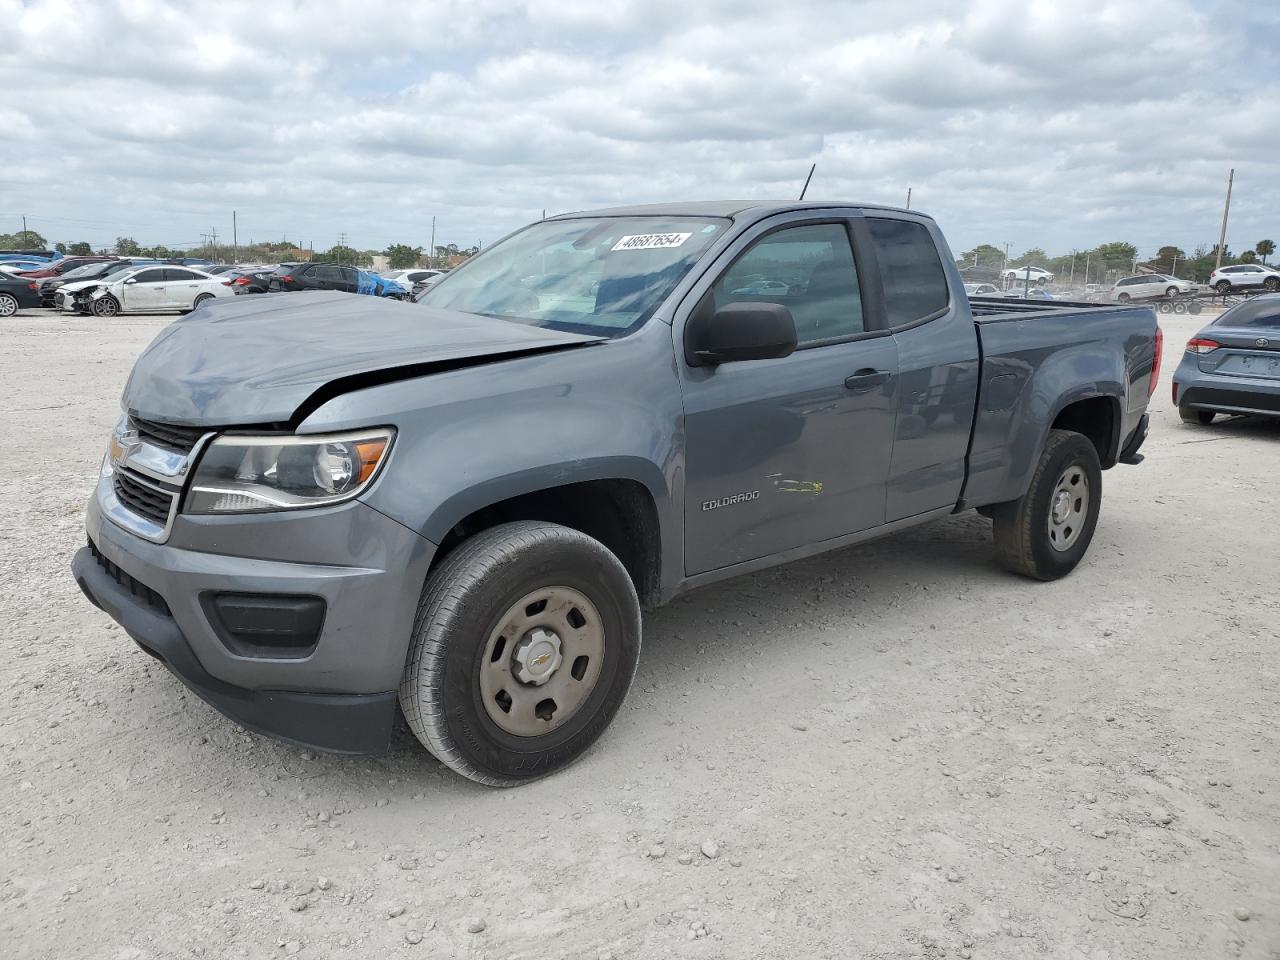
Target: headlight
(244, 474)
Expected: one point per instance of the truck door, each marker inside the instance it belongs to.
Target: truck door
(937, 348)
(787, 452)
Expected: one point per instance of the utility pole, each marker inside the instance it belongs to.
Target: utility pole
(24, 223)
(1222, 237)
(1072, 281)
(213, 244)
(342, 242)
(235, 240)
(1087, 255)
(908, 198)
(433, 236)
(1174, 270)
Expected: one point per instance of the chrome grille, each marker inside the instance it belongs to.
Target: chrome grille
(141, 497)
(170, 435)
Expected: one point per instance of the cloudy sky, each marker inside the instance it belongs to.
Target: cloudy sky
(1041, 122)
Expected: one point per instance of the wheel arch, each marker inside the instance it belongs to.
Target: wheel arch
(615, 501)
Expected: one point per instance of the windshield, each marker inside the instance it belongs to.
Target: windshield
(602, 275)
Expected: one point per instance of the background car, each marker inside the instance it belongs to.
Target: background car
(249, 279)
(60, 267)
(90, 271)
(982, 290)
(410, 279)
(17, 292)
(1145, 285)
(379, 286)
(1232, 365)
(764, 288)
(148, 289)
(17, 266)
(315, 276)
(1243, 276)
(1037, 275)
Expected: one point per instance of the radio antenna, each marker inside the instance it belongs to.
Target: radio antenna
(805, 188)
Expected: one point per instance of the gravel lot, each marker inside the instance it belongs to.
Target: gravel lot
(895, 751)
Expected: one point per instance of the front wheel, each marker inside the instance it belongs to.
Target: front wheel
(524, 646)
(107, 306)
(1191, 415)
(1045, 533)
(1271, 284)
(1171, 292)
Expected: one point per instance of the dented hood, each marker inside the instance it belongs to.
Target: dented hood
(259, 359)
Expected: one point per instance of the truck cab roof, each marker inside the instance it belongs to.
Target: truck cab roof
(730, 209)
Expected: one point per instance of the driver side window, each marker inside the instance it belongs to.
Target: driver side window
(807, 269)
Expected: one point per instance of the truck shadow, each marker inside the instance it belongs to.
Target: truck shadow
(767, 611)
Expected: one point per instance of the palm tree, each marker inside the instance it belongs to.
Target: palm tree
(1265, 248)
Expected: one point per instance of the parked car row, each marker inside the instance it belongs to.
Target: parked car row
(106, 285)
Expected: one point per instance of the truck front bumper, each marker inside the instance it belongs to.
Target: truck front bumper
(337, 690)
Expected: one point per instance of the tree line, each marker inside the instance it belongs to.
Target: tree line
(400, 256)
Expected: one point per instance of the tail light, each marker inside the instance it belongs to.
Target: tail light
(1155, 366)
(33, 286)
(1202, 346)
(286, 279)
(242, 281)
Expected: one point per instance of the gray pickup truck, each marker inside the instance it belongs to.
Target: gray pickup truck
(318, 507)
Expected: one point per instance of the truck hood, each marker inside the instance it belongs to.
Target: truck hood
(272, 358)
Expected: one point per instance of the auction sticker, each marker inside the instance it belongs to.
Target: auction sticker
(651, 241)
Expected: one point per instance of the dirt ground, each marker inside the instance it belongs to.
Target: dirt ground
(897, 750)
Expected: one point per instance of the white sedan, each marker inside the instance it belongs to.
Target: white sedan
(145, 289)
(1038, 277)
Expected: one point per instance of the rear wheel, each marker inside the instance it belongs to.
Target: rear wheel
(1191, 415)
(1047, 531)
(1123, 298)
(107, 306)
(1223, 287)
(1179, 308)
(8, 304)
(201, 300)
(523, 649)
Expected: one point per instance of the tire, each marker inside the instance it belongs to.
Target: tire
(1123, 297)
(8, 304)
(1024, 529)
(107, 306)
(1223, 287)
(1191, 415)
(1271, 284)
(1179, 308)
(201, 300)
(1194, 307)
(1171, 292)
(465, 646)
(1165, 306)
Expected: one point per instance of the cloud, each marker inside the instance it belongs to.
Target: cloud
(1043, 123)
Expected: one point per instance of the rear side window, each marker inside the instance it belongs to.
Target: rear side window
(174, 275)
(915, 285)
(1263, 312)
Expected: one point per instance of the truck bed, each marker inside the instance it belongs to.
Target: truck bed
(1037, 357)
(994, 309)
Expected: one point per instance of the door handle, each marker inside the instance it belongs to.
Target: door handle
(866, 380)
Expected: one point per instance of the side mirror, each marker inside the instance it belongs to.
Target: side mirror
(132, 280)
(739, 331)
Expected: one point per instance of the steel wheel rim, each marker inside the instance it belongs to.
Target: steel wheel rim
(1068, 508)
(8, 306)
(525, 694)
